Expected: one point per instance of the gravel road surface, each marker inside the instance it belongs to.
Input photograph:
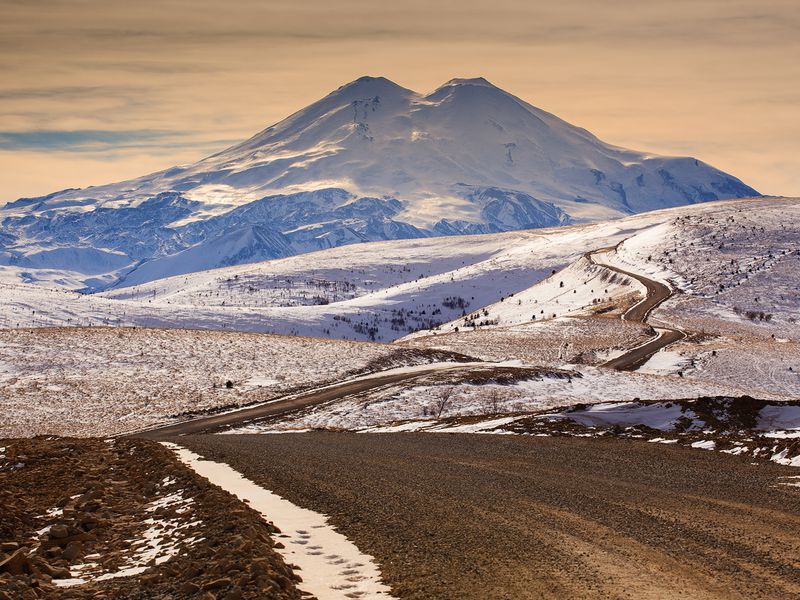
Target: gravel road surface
(479, 516)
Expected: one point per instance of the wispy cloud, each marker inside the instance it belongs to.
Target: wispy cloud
(93, 140)
(97, 82)
(66, 92)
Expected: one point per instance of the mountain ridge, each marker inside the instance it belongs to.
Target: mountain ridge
(370, 161)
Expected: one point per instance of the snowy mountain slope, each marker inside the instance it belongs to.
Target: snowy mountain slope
(729, 261)
(370, 161)
(380, 290)
(735, 267)
(387, 290)
(580, 288)
(735, 263)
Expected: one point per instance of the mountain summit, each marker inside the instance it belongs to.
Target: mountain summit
(370, 161)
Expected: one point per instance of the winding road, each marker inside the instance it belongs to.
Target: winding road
(657, 293)
(240, 417)
(470, 517)
(630, 360)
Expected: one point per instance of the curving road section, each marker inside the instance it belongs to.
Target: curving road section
(630, 360)
(240, 417)
(657, 293)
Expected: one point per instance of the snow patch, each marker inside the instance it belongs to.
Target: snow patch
(332, 567)
(704, 444)
(656, 416)
(163, 539)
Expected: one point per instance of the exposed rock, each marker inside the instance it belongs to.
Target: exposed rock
(189, 588)
(216, 584)
(72, 551)
(16, 564)
(58, 531)
(121, 482)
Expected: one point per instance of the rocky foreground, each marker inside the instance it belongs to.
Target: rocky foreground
(93, 518)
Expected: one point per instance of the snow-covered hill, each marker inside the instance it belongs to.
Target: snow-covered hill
(370, 161)
(735, 265)
(386, 290)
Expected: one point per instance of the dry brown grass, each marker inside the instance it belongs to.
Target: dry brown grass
(583, 340)
(100, 381)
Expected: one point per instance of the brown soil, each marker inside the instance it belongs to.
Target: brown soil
(513, 517)
(97, 494)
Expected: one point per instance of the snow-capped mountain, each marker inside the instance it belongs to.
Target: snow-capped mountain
(370, 161)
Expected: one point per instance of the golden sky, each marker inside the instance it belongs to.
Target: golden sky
(94, 91)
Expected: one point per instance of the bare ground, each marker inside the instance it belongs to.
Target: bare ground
(460, 516)
(588, 339)
(67, 503)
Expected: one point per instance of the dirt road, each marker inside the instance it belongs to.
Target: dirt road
(476, 517)
(636, 357)
(631, 360)
(656, 293)
(222, 421)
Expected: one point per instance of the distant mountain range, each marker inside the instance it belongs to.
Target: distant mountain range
(370, 161)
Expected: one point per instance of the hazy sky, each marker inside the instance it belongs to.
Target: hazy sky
(94, 91)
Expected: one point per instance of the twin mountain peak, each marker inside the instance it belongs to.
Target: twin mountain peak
(370, 161)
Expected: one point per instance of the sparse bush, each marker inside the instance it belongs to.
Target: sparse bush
(443, 400)
(453, 302)
(491, 402)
